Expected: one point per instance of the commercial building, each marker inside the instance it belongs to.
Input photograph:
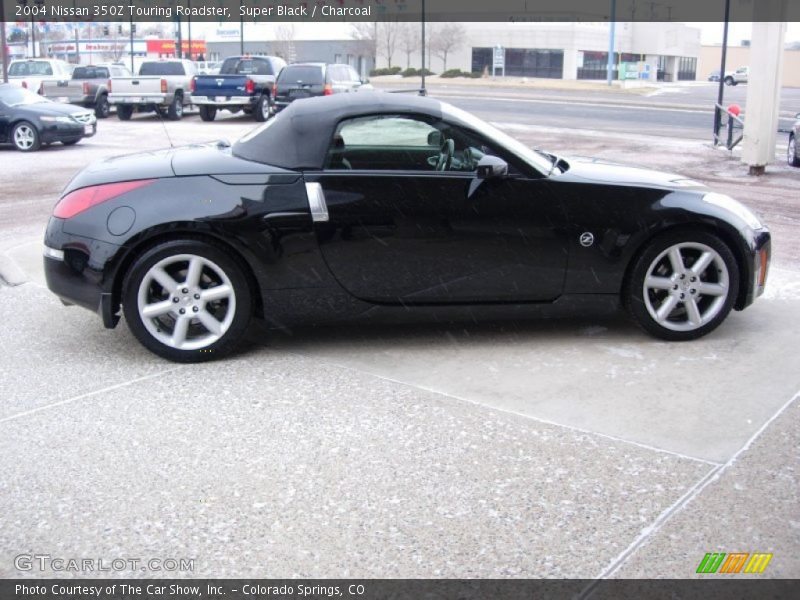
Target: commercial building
(739, 56)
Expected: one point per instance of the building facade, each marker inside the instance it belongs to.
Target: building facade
(661, 51)
(739, 56)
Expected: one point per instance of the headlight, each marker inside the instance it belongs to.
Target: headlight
(56, 119)
(735, 207)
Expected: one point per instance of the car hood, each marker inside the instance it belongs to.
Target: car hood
(55, 109)
(213, 159)
(593, 170)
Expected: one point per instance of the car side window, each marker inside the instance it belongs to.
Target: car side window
(386, 142)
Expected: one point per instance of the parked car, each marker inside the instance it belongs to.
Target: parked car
(31, 72)
(28, 120)
(792, 152)
(306, 80)
(243, 83)
(714, 75)
(162, 85)
(206, 67)
(738, 76)
(395, 207)
(88, 87)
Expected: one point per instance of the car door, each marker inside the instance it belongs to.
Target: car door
(403, 228)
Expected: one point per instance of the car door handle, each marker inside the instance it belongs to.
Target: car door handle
(316, 202)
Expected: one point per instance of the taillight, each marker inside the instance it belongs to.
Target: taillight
(83, 199)
(85, 88)
(25, 84)
(163, 86)
(327, 90)
(108, 86)
(250, 86)
(193, 85)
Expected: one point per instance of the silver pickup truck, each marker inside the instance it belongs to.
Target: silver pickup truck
(162, 85)
(88, 87)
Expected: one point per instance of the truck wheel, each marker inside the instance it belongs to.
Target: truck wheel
(729, 80)
(175, 110)
(101, 108)
(124, 112)
(261, 112)
(207, 113)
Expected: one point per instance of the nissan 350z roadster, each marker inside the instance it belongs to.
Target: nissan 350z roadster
(386, 206)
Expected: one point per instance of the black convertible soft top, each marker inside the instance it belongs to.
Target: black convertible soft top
(299, 136)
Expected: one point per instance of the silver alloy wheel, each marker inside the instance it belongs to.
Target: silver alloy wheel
(686, 286)
(24, 137)
(791, 151)
(186, 302)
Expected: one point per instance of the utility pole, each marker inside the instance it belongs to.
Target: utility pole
(611, 42)
(132, 31)
(3, 47)
(423, 92)
(721, 89)
(190, 30)
(241, 31)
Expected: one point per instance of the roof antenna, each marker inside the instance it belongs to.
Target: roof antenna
(164, 125)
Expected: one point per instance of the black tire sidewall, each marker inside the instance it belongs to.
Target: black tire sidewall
(37, 139)
(222, 258)
(102, 108)
(633, 292)
(124, 112)
(259, 113)
(208, 113)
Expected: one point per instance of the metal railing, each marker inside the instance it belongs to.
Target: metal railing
(734, 127)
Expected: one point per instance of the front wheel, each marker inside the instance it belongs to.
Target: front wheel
(187, 300)
(683, 285)
(124, 112)
(791, 152)
(26, 137)
(208, 113)
(729, 80)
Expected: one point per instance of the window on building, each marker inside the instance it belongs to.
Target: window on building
(687, 68)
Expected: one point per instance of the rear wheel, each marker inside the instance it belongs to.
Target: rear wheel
(124, 112)
(683, 285)
(26, 137)
(175, 110)
(101, 108)
(791, 152)
(208, 113)
(187, 300)
(261, 112)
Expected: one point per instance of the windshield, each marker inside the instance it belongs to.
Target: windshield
(538, 161)
(14, 96)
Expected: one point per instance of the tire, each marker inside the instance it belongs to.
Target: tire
(791, 152)
(221, 321)
(729, 80)
(25, 137)
(124, 112)
(261, 111)
(208, 113)
(102, 108)
(175, 110)
(655, 286)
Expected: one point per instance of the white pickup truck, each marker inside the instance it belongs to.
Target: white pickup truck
(31, 72)
(162, 85)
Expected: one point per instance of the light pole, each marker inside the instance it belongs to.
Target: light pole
(611, 44)
(422, 89)
(721, 88)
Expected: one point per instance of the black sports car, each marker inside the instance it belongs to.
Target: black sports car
(401, 207)
(28, 120)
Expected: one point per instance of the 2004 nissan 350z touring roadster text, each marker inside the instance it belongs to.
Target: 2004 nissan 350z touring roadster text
(376, 204)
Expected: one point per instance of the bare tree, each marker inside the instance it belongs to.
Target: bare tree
(409, 38)
(367, 36)
(387, 35)
(284, 37)
(447, 39)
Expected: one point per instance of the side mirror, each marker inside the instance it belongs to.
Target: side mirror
(491, 166)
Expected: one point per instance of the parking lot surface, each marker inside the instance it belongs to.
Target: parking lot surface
(554, 448)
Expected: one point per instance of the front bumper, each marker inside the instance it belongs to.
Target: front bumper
(65, 132)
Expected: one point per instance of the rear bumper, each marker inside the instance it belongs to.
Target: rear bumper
(223, 101)
(138, 99)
